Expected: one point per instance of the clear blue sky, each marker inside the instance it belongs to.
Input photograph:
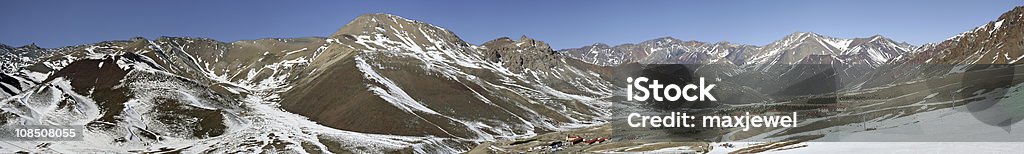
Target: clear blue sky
(563, 24)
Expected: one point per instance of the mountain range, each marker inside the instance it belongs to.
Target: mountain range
(383, 83)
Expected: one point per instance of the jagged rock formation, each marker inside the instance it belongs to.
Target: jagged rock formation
(526, 53)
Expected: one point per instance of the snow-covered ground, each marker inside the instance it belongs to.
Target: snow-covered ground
(887, 147)
(954, 130)
(906, 147)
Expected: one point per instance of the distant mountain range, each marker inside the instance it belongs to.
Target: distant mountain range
(796, 48)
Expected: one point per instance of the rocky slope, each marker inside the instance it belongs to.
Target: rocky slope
(992, 45)
(404, 66)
